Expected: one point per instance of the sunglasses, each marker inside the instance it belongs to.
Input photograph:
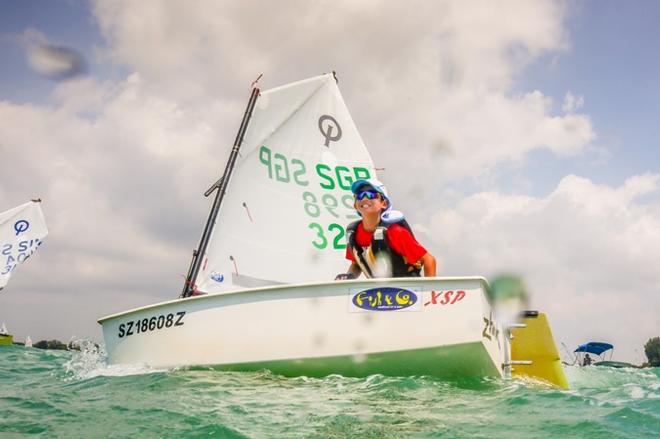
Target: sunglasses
(371, 195)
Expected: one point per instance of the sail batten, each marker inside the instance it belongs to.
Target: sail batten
(288, 199)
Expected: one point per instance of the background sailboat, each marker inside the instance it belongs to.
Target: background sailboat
(22, 230)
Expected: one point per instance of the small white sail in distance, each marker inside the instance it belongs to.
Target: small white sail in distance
(288, 201)
(28, 342)
(3, 329)
(22, 230)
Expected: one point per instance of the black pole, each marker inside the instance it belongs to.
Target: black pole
(198, 255)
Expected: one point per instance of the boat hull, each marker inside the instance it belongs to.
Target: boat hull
(450, 362)
(6, 339)
(431, 326)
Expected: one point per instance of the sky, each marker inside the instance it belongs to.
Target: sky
(517, 136)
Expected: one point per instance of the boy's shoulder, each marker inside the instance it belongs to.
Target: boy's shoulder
(400, 228)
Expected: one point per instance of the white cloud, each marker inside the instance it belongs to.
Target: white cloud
(82, 94)
(572, 102)
(427, 78)
(586, 251)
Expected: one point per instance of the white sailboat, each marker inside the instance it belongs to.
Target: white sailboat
(28, 342)
(260, 294)
(22, 230)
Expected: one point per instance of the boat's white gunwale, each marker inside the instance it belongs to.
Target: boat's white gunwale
(481, 279)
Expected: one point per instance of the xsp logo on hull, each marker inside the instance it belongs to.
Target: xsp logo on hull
(330, 129)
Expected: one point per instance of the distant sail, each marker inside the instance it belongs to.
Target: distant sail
(288, 202)
(28, 342)
(22, 230)
(3, 330)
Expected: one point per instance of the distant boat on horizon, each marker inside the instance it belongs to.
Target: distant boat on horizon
(599, 349)
(5, 337)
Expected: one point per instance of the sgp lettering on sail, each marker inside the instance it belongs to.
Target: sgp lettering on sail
(14, 254)
(293, 170)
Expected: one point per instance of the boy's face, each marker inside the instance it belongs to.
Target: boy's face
(369, 203)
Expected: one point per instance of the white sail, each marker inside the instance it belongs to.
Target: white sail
(3, 329)
(22, 230)
(288, 202)
(28, 342)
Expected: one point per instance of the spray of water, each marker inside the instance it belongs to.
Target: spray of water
(91, 361)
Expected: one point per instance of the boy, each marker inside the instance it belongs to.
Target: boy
(382, 243)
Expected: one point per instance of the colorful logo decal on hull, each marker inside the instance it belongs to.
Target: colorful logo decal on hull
(384, 299)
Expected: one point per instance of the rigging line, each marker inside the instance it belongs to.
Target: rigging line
(248, 211)
(235, 266)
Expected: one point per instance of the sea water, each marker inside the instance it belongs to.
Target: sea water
(76, 394)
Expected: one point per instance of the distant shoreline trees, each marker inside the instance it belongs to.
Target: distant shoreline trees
(652, 350)
(57, 345)
(73, 345)
(50, 344)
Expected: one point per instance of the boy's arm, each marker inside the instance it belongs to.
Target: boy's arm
(355, 269)
(428, 262)
(353, 272)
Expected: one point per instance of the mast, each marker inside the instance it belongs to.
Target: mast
(221, 186)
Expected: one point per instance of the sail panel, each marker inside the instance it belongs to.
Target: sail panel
(22, 230)
(288, 201)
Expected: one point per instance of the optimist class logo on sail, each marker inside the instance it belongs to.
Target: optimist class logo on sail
(21, 226)
(327, 129)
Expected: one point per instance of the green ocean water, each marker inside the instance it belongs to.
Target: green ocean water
(75, 394)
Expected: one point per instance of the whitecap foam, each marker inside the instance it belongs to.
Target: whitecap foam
(91, 361)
